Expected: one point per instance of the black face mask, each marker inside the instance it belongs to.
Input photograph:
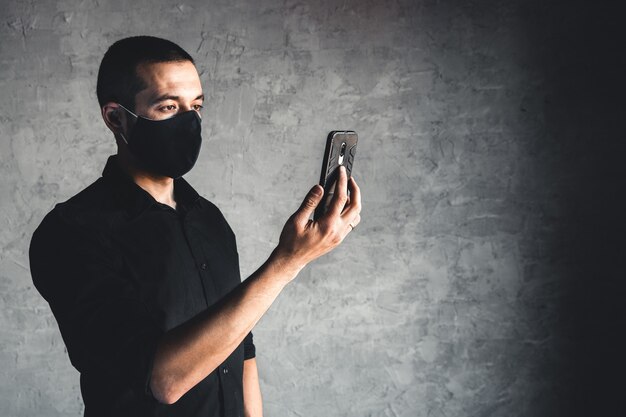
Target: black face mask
(168, 147)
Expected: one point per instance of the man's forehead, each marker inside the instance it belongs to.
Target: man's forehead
(174, 78)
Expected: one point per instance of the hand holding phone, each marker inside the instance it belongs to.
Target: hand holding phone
(340, 151)
(303, 240)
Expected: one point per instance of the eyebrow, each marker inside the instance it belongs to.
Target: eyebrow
(171, 97)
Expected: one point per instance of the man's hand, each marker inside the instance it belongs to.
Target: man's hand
(303, 240)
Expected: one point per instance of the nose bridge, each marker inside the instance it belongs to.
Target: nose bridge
(185, 106)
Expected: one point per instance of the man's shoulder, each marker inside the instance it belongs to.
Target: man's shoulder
(90, 197)
(214, 219)
(88, 208)
(211, 210)
(209, 207)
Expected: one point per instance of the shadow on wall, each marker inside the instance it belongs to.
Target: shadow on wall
(583, 58)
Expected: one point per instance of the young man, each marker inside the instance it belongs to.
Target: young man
(142, 273)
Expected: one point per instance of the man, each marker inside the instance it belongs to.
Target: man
(142, 273)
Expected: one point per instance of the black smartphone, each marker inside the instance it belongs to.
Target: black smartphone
(340, 150)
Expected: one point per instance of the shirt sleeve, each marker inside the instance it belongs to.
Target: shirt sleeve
(249, 350)
(105, 326)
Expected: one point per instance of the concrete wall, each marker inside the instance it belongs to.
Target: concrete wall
(485, 277)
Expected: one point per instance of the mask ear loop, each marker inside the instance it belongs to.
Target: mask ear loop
(123, 137)
(136, 117)
(120, 104)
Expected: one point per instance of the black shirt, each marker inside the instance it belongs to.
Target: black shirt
(119, 269)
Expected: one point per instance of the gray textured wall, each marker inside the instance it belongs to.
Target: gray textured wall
(485, 277)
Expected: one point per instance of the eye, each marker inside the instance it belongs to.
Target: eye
(198, 107)
(168, 108)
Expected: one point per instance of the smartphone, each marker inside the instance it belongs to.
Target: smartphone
(340, 150)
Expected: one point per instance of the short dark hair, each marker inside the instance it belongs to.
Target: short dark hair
(117, 77)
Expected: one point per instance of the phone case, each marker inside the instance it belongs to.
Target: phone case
(340, 150)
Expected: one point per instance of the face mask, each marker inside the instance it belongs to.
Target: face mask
(168, 147)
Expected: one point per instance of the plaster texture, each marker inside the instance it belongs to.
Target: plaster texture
(485, 277)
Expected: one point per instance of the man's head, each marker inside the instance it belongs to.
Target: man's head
(150, 77)
(118, 78)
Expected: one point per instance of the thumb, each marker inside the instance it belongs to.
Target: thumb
(312, 199)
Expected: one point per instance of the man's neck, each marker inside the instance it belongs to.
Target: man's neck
(159, 187)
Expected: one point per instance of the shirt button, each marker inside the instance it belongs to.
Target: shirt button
(203, 266)
(225, 371)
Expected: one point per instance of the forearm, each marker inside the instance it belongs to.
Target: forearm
(252, 400)
(191, 351)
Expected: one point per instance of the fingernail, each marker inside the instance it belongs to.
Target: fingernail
(316, 191)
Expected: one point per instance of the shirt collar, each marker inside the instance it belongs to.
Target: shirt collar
(135, 198)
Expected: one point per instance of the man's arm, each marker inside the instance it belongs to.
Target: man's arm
(191, 351)
(252, 400)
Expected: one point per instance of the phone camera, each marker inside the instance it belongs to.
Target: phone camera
(342, 152)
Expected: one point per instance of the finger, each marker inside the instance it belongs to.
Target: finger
(310, 202)
(350, 226)
(353, 208)
(341, 193)
(355, 222)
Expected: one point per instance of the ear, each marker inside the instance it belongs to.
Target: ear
(114, 117)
